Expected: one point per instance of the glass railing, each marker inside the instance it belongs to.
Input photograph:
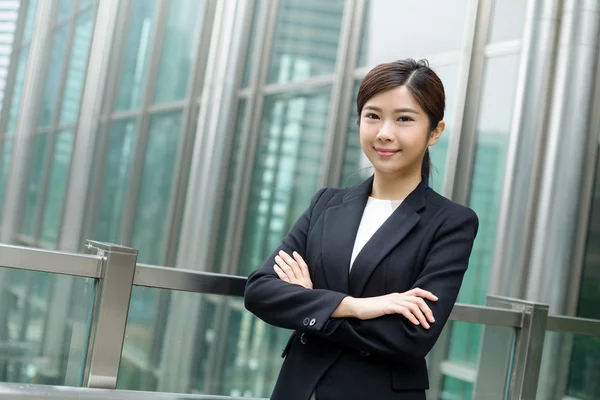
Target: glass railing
(103, 326)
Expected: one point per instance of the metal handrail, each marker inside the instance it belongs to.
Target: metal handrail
(44, 392)
(55, 262)
(574, 325)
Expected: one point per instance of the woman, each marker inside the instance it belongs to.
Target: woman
(368, 275)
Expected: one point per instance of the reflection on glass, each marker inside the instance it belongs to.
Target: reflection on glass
(57, 186)
(29, 21)
(489, 369)
(4, 166)
(139, 361)
(182, 33)
(286, 170)
(135, 54)
(155, 188)
(15, 101)
(508, 20)
(306, 40)
(34, 185)
(232, 353)
(52, 84)
(115, 182)
(77, 68)
(493, 130)
(396, 29)
(30, 354)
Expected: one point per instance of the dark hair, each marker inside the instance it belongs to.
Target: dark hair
(424, 84)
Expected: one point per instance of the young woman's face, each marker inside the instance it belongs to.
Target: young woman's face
(395, 132)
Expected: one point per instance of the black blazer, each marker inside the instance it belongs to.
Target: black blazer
(425, 243)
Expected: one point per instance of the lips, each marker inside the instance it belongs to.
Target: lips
(386, 152)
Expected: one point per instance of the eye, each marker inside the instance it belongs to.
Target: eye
(371, 116)
(405, 119)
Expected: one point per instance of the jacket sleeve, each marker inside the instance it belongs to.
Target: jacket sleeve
(395, 337)
(286, 305)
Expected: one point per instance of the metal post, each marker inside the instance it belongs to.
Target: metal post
(528, 347)
(110, 314)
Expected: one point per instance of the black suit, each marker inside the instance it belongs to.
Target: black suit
(425, 243)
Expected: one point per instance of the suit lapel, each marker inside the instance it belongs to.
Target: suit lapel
(392, 232)
(339, 233)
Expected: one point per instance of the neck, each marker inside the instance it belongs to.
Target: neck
(394, 187)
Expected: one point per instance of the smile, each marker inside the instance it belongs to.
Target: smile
(386, 152)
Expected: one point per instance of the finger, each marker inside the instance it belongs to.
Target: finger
(408, 315)
(285, 268)
(423, 306)
(282, 275)
(292, 263)
(302, 264)
(416, 311)
(423, 293)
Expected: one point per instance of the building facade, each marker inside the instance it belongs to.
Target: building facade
(197, 131)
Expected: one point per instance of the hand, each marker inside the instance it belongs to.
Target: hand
(410, 304)
(293, 270)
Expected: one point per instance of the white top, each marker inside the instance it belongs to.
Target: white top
(376, 212)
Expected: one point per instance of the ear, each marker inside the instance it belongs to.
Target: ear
(436, 133)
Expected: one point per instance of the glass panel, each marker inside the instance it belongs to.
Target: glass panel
(577, 379)
(449, 76)
(34, 185)
(4, 166)
(115, 181)
(77, 68)
(357, 167)
(155, 188)
(29, 21)
(396, 29)
(236, 158)
(44, 323)
(57, 186)
(508, 20)
(488, 370)
(15, 101)
(493, 130)
(306, 40)
(143, 339)
(135, 55)
(182, 33)
(52, 85)
(286, 170)
(230, 353)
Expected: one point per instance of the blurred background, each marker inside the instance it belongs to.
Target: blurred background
(197, 131)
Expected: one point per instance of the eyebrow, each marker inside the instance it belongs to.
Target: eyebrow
(405, 110)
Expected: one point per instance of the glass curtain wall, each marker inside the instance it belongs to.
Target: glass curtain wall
(54, 133)
(493, 129)
(11, 99)
(145, 139)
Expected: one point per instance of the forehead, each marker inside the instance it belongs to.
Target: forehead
(398, 97)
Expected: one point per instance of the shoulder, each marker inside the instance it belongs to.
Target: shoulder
(450, 212)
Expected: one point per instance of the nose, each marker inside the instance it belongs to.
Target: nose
(385, 133)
